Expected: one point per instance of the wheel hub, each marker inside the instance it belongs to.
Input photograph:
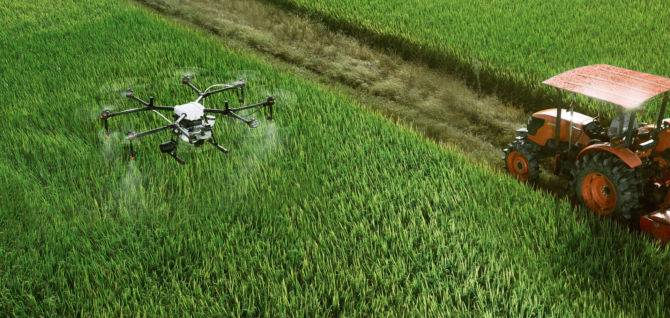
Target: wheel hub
(518, 165)
(605, 190)
(599, 193)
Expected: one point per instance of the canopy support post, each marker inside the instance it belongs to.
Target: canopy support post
(629, 133)
(661, 114)
(559, 103)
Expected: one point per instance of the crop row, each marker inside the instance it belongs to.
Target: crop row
(331, 210)
(510, 46)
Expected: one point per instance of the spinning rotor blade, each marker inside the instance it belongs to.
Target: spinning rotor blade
(173, 76)
(116, 89)
(246, 75)
(283, 98)
(90, 112)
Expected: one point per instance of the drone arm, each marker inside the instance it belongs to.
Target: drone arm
(187, 80)
(179, 119)
(238, 85)
(133, 136)
(231, 111)
(108, 116)
(217, 111)
(228, 112)
(270, 101)
(194, 88)
(139, 100)
(231, 114)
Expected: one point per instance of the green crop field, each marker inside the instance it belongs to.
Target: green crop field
(332, 211)
(516, 45)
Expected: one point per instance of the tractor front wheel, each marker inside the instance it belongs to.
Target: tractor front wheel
(607, 186)
(522, 161)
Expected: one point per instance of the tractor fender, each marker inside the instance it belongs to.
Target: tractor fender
(622, 152)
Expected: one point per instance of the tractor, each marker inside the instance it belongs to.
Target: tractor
(617, 168)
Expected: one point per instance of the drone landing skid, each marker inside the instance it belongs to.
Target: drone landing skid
(170, 148)
(182, 162)
(213, 142)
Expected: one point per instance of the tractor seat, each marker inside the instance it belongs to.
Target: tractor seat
(620, 125)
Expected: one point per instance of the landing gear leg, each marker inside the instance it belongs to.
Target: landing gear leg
(132, 151)
(173, 153)
(213, 142)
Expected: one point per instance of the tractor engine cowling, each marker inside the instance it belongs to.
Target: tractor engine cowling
(542, 126)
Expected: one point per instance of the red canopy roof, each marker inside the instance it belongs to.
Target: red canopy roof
(612, 84)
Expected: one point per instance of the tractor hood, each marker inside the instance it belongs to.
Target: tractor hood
(577, 118)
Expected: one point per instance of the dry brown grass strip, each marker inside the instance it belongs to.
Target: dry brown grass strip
(439, 105)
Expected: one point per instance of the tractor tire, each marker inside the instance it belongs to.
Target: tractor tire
(522, 160)
(607, 186)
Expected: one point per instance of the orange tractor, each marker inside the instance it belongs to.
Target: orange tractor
(618, 167)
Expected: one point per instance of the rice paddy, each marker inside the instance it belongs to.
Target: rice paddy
(332, 211)
(509, 47)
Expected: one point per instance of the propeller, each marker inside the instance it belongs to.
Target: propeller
(174, 76)
(246, 75)
(283, 98)
(91, 112)
(117, 89)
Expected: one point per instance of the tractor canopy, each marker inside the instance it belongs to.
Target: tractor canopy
(615, 85)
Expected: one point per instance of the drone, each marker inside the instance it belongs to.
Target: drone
(192, 121)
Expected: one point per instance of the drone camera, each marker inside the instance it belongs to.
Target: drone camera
(168, 146)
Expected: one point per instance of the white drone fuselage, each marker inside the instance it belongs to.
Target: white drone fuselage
(195, 126)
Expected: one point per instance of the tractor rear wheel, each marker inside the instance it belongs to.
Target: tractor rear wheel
(607, 186)
(522, 161)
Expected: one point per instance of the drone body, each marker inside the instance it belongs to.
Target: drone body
(192, 123)
(198, 126)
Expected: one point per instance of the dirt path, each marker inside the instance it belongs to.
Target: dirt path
(441, 106)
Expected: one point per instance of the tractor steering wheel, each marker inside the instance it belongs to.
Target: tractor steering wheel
(598, 123)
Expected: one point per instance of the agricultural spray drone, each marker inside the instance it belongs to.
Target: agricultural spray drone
(191, 124)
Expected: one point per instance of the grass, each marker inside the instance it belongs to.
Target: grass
(435, 103)
(335, 211)
(506, 46)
